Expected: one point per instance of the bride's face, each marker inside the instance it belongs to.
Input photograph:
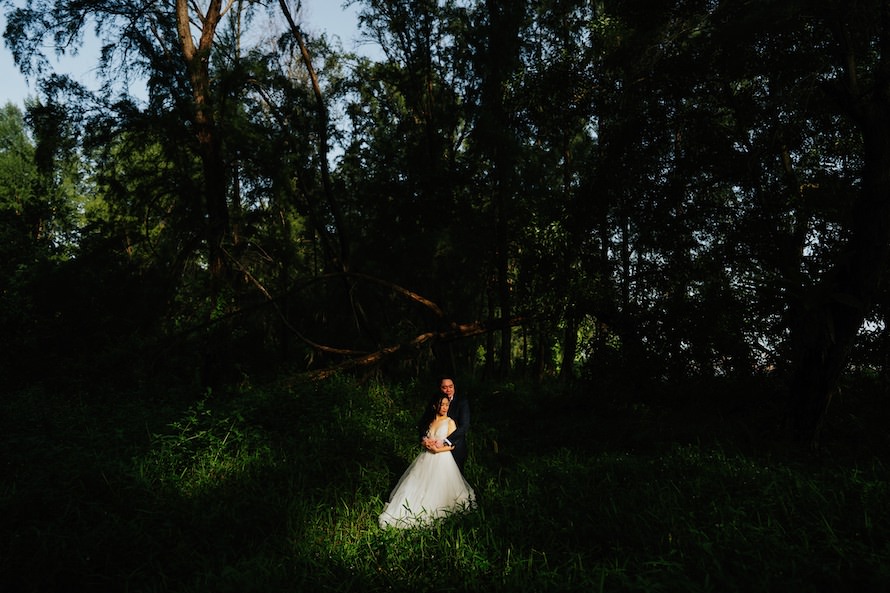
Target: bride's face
(444, 403)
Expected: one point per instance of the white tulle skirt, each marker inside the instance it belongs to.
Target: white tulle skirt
(431, 487)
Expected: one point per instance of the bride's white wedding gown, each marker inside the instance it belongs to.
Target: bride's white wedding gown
(430, 488)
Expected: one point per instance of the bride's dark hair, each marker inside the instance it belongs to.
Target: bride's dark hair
(429, 413)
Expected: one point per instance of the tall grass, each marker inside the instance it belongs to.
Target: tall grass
(279, 490)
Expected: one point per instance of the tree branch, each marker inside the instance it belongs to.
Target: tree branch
(274, 303)
(227, 8)
(343, 256)
(457, 331)
(410, 295)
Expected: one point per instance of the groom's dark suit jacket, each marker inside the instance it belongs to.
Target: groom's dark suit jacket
(459, 411)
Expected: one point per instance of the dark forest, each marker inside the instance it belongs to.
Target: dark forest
(649, 239)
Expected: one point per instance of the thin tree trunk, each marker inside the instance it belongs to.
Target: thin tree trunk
(570, 256)
(569, 348)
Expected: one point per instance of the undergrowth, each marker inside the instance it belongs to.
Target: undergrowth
(278, 489)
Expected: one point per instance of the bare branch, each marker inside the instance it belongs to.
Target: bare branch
(411, 295)
(363, 359)
(197, 10)
(457, 331)
(296, 332)
(226, 9)
(336, 211)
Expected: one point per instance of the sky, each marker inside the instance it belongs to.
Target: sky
(317, 16)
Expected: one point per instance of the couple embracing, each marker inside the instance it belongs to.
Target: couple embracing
(433, 485)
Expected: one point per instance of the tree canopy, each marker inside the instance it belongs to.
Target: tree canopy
(539, 187)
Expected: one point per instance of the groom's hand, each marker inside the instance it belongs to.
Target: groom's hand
(431, 444)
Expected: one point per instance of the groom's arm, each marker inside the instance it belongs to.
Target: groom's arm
(462, 419)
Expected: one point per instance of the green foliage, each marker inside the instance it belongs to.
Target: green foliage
(658, 193)
(19, 248)
(279, 488)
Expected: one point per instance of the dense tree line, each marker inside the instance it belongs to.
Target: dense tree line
(568, 187)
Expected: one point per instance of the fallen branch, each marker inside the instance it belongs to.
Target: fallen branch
(456, 332)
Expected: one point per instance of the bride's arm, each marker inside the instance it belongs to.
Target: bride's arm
(439, 446)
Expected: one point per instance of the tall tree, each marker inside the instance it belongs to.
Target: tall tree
(138, 39)
(785, 111)
(828, 326)
(497, 144)
(196, 53)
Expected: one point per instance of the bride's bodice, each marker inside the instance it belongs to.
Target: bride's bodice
(439, 431)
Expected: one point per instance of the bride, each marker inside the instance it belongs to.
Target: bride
(432, 486)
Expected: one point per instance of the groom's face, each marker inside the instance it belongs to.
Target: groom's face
(447, 387)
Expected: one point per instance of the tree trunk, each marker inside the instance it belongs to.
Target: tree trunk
(827, 331)
(504, 22)
(569, 348)
(197, 61)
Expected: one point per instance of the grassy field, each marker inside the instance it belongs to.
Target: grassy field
(279, 488)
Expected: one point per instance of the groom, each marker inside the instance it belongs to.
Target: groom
(459, 411)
